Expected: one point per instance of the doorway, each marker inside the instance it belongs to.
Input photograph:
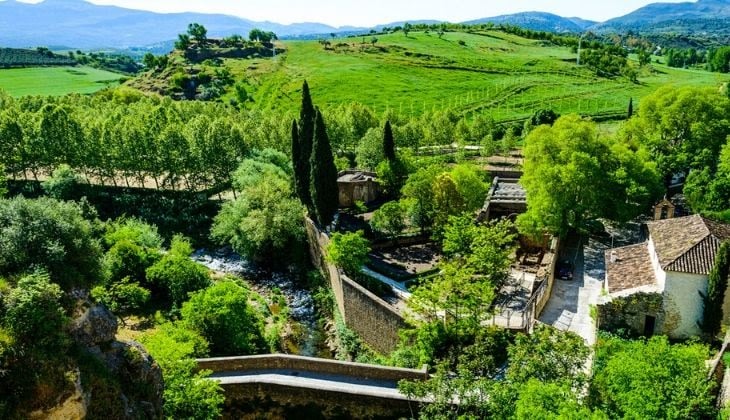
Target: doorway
(649, 324)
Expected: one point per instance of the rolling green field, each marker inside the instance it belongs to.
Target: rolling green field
(501, 74)
(55, 80)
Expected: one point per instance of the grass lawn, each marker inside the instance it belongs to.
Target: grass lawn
(55, 81)
(489, 72)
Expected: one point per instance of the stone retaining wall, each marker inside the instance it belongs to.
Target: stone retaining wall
(375, 320)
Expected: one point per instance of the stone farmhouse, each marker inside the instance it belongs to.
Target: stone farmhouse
(657, 287)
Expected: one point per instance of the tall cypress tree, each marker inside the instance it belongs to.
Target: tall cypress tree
(631, 107)
(388, 143)
(304, 140)
(716, 286)
(323, 175)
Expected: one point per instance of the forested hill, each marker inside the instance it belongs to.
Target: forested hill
(539, 21)
(707, 17)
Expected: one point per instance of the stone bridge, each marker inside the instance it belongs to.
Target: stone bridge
(306, 387)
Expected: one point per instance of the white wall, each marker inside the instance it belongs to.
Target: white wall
(659, 273)
(683, 304)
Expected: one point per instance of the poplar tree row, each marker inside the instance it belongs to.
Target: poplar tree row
(315, 174)
(122, 138)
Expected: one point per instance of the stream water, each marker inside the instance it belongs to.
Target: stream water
(307, 338)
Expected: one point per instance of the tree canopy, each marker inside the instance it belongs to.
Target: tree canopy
(569, 171)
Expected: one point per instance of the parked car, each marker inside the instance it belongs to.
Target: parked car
(564, 270)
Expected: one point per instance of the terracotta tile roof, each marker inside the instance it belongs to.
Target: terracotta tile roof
(629, 267)
(687, 244)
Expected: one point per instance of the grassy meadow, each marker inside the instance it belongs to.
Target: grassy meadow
(504, 75)
(55, 81)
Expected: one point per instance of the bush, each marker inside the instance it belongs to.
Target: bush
(177, 274)
(123, 298)
(222, 314)
(348, 251)
(63, 184)
(51, 235)
(389, 219)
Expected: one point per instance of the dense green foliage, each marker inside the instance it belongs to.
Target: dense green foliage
(265, 220)
(570, 169)
(177, 274)
(185, 145)
(652, 379)
(187, 394)
(223, 315)
(51, 235)
(348, 251)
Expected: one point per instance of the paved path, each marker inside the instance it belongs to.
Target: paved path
(569, 306)
(323, 382)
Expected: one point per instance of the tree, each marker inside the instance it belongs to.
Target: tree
(187, 394)
(124, 298)
(684, 128)
(407, 27)
(716, 285)
(652, 379)
(198, 33)
(63, 184)
(630, 112)
(177, 274)
(3, 182)
(388, 143)
(221, 313)
(33, 314)
(568, 172)
(348, 251)
(182, 43)
(548, 355)
(644, 57)
(389, 219)
(265, 220)
(323, 176)
(52, 235)
(538, 400)
(303, 152)
(457, 297)
(418, 193)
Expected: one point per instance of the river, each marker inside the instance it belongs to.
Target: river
(307, 338)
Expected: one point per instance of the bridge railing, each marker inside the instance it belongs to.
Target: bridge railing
(310, 364)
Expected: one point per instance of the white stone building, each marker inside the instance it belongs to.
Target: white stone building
(657, 286)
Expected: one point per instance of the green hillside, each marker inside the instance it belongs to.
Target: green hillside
(504, 74)
(55, 81)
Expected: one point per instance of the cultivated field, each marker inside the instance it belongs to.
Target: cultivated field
(494, 72)
(55, 80)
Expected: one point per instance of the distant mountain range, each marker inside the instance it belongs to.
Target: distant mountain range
(711, 16)
(78, 24)
(539, 21)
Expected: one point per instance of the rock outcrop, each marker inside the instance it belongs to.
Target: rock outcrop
(124, 381)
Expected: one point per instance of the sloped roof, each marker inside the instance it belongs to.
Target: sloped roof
(687, 244)
(629, 268)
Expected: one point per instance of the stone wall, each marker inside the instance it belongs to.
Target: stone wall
(310, 364)
(269, 400)
(629, 313)
(375, 320)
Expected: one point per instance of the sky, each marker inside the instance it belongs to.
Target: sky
(372, 12)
